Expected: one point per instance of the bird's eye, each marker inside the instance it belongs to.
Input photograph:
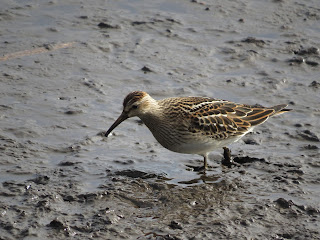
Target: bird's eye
(134, 106)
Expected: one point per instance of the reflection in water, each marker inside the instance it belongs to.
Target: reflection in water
(178, 177)
(194, 176)
(203, 179)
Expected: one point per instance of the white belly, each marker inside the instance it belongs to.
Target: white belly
(201, 147)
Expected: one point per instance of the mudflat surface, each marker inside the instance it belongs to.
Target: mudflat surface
(65, 67)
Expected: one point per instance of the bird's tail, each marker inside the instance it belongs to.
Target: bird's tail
(279, 109)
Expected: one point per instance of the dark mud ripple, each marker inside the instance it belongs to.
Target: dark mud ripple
(137, 174)
(247, 159)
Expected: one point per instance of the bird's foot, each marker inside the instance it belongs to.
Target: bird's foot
(200, 169)
(197, 168)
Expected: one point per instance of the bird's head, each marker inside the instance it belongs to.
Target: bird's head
(135, 104)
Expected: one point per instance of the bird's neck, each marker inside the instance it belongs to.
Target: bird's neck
(152, 114)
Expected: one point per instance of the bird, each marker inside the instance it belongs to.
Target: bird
(194, 125)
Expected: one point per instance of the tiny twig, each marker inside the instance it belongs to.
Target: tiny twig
(35, 51)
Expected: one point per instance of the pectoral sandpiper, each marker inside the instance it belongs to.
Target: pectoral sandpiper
(194, 125)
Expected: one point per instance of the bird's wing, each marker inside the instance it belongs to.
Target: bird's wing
(221, 119)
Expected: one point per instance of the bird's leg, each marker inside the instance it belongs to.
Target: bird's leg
(204, 167)
(205, 161)
(227, 161)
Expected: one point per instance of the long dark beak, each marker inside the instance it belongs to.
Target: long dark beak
(120, 119)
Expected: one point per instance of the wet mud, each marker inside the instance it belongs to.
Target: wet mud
(65, 69)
